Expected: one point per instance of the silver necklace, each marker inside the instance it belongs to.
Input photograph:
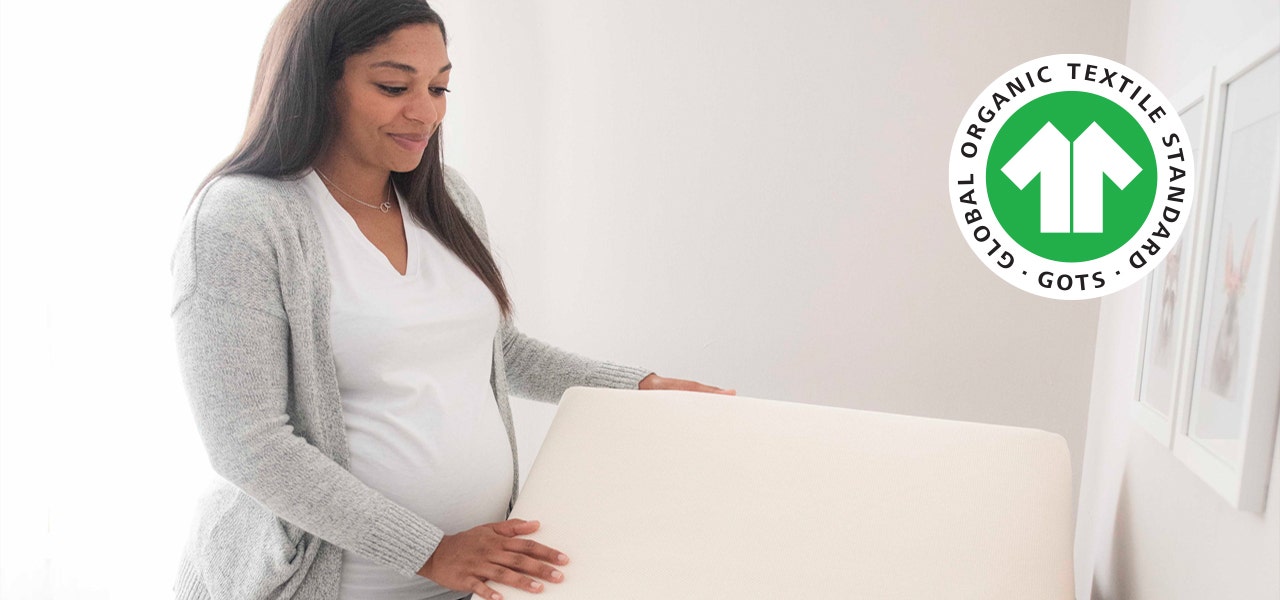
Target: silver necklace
(384, 207)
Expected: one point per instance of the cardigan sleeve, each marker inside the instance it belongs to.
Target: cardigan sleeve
(233, 346)
(537, 370)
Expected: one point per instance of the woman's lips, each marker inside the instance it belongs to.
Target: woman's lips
(412, 143)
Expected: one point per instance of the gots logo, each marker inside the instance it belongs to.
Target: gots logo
(1069, 176)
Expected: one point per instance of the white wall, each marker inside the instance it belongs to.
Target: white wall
(753, 194)
(1148, 527)
(110, 114)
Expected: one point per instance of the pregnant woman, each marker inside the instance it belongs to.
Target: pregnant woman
(345, 335)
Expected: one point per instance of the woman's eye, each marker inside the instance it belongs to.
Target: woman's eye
(393, 90)
(438, 91)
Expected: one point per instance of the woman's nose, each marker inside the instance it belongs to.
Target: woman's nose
(423, 109)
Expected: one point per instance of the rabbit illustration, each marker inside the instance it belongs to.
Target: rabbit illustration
(1227, 346)
(1168, 305)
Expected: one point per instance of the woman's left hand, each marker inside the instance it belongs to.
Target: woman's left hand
(654, 382)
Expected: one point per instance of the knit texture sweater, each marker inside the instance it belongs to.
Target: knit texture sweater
(251, 318)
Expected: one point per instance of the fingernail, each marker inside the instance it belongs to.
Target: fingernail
(535, 585)
(556, 575)
(562, 558)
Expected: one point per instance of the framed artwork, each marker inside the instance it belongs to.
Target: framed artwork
(1230, 394)
(1168, 288)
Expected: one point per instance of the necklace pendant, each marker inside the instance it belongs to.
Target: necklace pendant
(386, 207)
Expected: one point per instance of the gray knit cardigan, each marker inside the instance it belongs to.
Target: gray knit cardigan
(251, 318)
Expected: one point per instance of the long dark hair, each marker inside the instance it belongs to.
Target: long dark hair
(290, 114)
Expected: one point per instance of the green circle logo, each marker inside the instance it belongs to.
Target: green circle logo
(1059, 212)
(1071, 176)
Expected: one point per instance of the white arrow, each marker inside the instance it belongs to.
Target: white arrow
(1096, 155)
(1047, 154)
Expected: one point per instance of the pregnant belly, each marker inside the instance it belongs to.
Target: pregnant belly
(453, 469)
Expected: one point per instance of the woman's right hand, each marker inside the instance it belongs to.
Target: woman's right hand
(465, 560)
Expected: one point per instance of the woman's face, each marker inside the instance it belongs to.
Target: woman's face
(391, 99)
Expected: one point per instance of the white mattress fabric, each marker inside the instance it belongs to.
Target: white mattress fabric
(669, 494)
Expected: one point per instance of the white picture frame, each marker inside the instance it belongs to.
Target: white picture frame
(1168, 293)
(1229, 391)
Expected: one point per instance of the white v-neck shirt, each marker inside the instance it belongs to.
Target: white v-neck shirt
(413, 354)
